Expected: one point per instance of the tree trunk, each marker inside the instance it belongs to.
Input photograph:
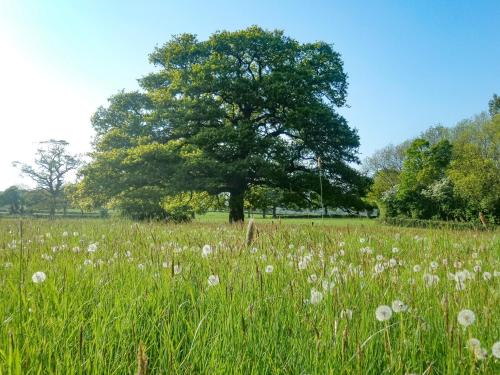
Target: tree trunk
(52, 213)
(274, 212)
(326, 210)
(263, 213)
(236, 213)
(52, 208)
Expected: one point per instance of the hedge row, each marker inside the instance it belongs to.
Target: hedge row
(419, 223)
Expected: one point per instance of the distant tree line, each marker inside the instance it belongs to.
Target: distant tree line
(446, 173)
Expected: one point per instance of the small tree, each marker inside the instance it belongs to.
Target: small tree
(52, 164)
(13, 198)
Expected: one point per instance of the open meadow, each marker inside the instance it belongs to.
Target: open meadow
(333, 297)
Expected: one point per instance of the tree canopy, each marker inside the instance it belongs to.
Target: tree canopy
(52, 164)
(241, 109)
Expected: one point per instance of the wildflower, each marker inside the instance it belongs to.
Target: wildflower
(76, 249)
(165, 264)
(466, 317)
(495, 350)
(87, 262)
(393, 262)
(38, 277)
(253, 250)
(141, 266)
(399, 306)
(434, 265)
(206, 251)
(477, 268)
(383, 313)
(316, 296)
(8, 264)
(395, 250)
(75, 234)
(416, 268)
(341, 253)
(92, 248)
(213, 280)
(177, 269)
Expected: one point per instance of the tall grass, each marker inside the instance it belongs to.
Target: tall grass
(143, 299)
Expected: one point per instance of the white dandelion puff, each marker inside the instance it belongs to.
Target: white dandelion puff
(316, 296)
(38, 277)
(269, 268)
(312, 278)
(480, 353)
(495, 350)
(383, 313)
(473, 343)
(399, 306)
(466, 317)
(92, 248)
(213, 280)
(416, 268)
(206, 251)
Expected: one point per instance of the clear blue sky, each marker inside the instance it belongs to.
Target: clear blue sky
(411, 64)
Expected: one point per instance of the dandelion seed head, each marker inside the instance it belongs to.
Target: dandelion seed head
(495, 350)
(466, 317)
(206, 251)
(399, 306)
(38, 277)
(177, 269)
(486, 276)
(383, 313)
(316, 296)
(473, 342)
(213, 280)
(480, 353)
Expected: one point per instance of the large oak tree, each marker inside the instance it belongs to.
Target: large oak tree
(245, 108)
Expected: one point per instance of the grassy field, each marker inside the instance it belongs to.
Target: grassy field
(86, 296)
